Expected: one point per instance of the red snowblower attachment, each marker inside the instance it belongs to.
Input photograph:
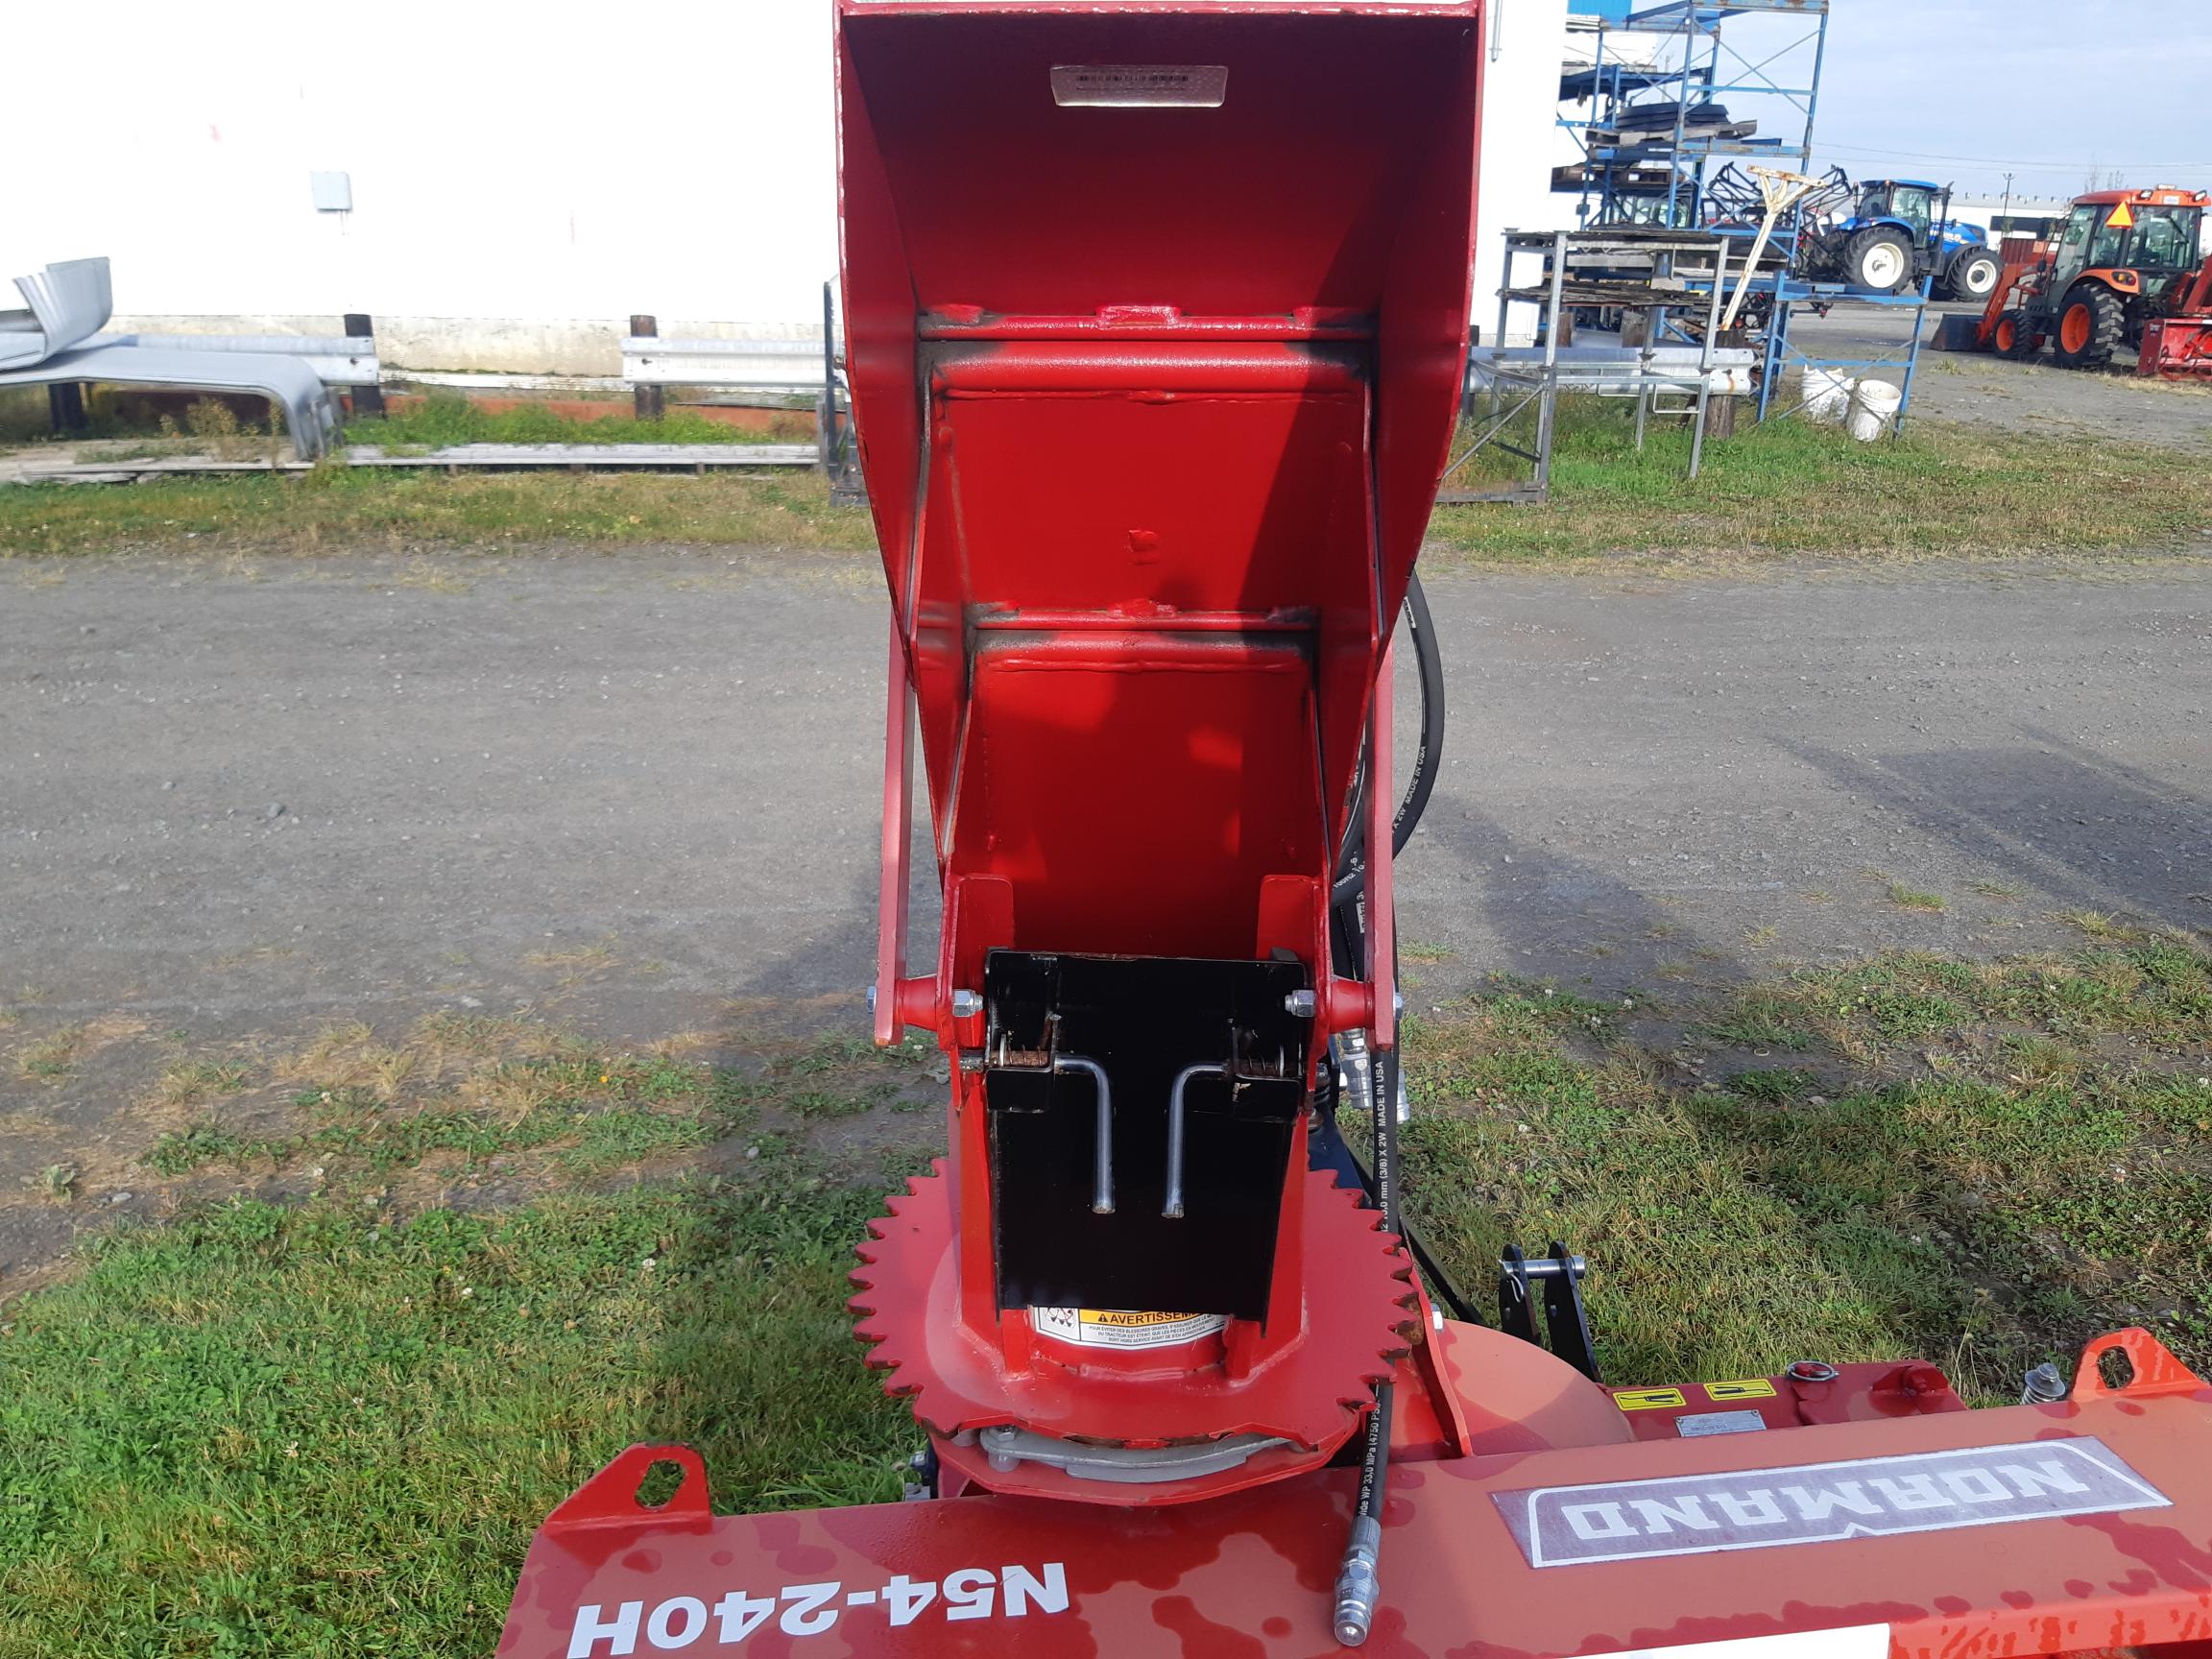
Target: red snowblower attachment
(1156, 315)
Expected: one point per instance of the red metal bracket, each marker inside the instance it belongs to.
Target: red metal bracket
(2154, 1368)
(609, 1498)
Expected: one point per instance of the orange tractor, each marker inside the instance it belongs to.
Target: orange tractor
(2130, 269)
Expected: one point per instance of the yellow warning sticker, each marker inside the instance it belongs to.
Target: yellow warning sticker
(1122, 1328)
(1648, 1398)
(2123, 216)
(1750, 1388)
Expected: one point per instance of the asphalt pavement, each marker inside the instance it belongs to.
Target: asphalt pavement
(242, 801)
(346, 785)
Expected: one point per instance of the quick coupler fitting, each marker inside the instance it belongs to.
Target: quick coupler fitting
(1356, 1585)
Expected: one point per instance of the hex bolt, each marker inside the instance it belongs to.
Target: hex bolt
(2045, 1385)
(1301, 1002)
(967, 1004)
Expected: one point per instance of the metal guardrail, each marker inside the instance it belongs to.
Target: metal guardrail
(792, 366)
(337, 359)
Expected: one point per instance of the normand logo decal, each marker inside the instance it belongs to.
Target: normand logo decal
(1823, 1503)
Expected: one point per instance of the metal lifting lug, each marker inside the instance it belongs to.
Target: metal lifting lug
(1564, 1323)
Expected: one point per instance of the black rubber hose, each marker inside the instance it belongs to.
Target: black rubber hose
(1347, 926)
(1356, 1585)
(1428, 755)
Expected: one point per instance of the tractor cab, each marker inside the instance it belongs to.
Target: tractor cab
(1907, 202)
(2135, 241)
(2127, 260)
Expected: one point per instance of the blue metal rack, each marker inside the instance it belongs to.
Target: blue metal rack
(1661, 175)
(1783, 355)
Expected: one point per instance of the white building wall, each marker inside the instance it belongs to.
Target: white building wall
(523, 177)
(518, 166)
(1521, 144)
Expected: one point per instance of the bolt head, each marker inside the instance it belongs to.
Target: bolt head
(1301, 1002)
(967, 1004)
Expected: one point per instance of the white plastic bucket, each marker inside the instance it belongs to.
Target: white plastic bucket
(1827, 394)
(1873, 409)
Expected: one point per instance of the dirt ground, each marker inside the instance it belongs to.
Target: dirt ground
(240, 804)
(2038, 396)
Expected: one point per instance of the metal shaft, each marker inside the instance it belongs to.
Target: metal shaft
(1172, 1209)
(1102, 1173)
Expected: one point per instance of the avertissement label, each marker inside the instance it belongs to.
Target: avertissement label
(1822, 1503)
(1121, 1328)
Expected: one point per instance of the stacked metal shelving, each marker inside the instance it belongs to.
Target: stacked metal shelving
(1642, 173)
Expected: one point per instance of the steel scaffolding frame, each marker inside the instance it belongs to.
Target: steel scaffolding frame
(1697, 66)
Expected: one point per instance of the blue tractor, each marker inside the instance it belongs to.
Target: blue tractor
(1899, 233)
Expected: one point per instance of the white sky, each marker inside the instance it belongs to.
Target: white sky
(1963, 91)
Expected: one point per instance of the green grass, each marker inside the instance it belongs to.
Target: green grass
(1760, 1018)
(336, 509)
(1782, 489)
(318, 1432)
(330, 1428)
(592, 1113)
(436, 421)
(2036, 1193)
(1791, 488)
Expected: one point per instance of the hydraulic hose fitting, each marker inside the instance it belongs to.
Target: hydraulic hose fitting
(1357, 1583)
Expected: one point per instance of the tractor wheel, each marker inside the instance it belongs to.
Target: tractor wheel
(1973, 275)
(1879, 258)
(2090, 323)
(2015, 337)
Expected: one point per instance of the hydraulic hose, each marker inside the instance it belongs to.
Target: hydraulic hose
(1427, 754)
(1358, 1584)
(1358, 1579)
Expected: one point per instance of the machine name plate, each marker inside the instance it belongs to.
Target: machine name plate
(1822, 1503)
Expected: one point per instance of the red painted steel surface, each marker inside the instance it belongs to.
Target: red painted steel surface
(1349, 1323)
(1330, 194)
(1152, 402)
(1246, 1576)
(1857, 1393)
